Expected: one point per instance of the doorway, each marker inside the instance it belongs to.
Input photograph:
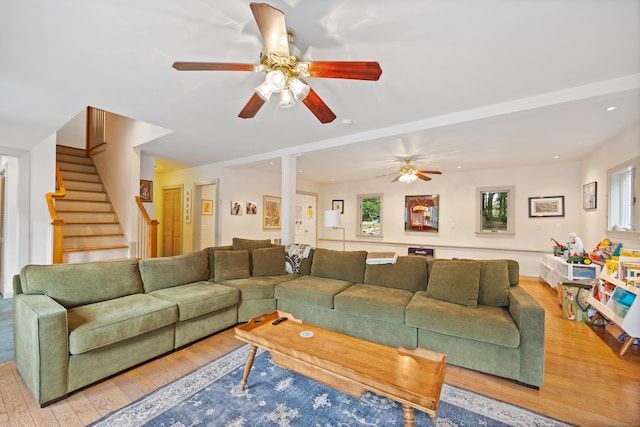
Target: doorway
(205, 214)
(306, 218)
(172, 221)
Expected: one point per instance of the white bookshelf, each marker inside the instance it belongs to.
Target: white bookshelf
(615, 308)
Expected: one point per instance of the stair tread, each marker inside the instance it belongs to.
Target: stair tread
(89, 222)
(93, 235)
(66, 199)
(84, 211)
(95, 248)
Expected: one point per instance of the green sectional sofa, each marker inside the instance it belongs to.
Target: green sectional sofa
(75, 324)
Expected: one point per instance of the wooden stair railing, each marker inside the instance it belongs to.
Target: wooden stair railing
(58, 224)
(147, 233)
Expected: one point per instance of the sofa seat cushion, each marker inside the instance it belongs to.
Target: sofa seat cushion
(196, 299)
(257, 287)
(374, 302)
(311, 290)
(483, 323)
(103, 323)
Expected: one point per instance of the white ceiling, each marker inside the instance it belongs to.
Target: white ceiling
(469, 83)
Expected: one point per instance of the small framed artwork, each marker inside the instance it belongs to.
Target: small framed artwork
(421, 213)
(146, 190)
(337, 205)
(546, 206)
(236, 207)
(252, 207)
(590, 196)
(206, 207)
(271, 212)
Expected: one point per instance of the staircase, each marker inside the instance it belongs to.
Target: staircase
(91, 228)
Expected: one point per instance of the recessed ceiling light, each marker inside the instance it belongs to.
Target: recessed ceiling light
(556, 157)
(612, 108)
(347, 122)
(459, 167)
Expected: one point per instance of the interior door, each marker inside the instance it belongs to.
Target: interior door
(172, 230)
(306, 219)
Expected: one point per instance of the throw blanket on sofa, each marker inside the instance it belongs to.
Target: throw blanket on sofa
(293, 256)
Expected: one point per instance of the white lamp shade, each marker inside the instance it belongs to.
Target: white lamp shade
(286, 99)
(332, 219)
(264, 91)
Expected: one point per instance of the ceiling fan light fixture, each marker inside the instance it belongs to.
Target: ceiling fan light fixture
(276, 80)
(264, 91)
(299, 89)
(407, 177)
(286, 99)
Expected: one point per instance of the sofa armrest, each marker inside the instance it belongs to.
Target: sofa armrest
(528, 315)
(41, 347)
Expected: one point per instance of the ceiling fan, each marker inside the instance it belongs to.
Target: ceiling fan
(409, 173)
(285, 71)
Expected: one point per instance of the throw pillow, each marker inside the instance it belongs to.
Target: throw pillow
(457, 282)
(231, 265)
(494, 283)
(268, 261)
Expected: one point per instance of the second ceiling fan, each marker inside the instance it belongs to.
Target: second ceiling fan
(285, 70)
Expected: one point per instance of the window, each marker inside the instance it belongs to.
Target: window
(623, 215)
(369, 215)
(495, 210)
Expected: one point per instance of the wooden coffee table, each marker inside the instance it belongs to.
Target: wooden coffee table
(411, 377)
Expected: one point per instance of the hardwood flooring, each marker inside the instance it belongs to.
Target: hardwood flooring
(586, 382)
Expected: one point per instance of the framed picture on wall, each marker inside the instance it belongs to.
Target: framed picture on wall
(546, 206)
(271, 212)
(421, 213)
(206, 207)
(337, 205)
(146, 190)
(590, 196)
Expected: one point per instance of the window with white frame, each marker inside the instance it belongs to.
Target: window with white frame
(623, 214)
(495, 210)
(370, 215)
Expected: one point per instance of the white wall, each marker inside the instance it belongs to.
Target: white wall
(594, 168)
(457, 229)
(43, 181)
(241, 184)
(457, 236)
(119, 168)
(74, 132)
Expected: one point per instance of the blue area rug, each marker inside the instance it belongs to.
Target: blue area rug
(277, 397)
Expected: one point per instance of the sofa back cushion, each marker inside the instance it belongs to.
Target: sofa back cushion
(230, 265)
(268, 261)
(408, 273)
(250, 244)
(348, 266)
(494, 283)
(457, 282)
(166, 272)
(72, 285)
(211, 251)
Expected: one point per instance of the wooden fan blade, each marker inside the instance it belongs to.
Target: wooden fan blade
(273, 28)
(211, 66)
(431, 172)
(396, 178)
(345, 70)
(318, 107)
(252, 107)
(423, 177)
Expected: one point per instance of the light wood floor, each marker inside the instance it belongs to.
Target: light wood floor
(586, 382)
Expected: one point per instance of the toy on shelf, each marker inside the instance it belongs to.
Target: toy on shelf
(558, 249)
(606, 250)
